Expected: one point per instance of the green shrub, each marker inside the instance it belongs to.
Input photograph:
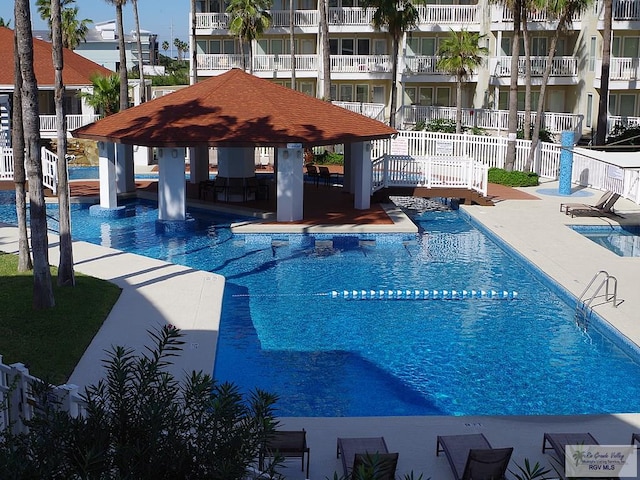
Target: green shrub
(513, 179)
(544, 135)
(623, 135)
(329, 158)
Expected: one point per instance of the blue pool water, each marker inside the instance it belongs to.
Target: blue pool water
(624, 241)
(326, 356)
(91, 173)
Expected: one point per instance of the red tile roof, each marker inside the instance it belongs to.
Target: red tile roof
(77, 69)
(235, 109)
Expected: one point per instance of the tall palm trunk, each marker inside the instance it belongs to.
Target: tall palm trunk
(122, 70)
(513, 89)
(527, 75)
(292, 44)
(458, 103)
(394, 82)
(143, 87)
(42, 289)
(326, 51)
(19, 176)
(194, 46)
(65, 265)
(603, 104)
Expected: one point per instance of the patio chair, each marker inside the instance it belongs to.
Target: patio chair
(558, 442)
(366, 453)
(472, 457)
(326, 175)
(565, 207)
(288, 443)
(313, 173)
(605, 210)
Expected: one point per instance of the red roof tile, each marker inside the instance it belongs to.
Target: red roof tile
(77, 69)
(235, 109)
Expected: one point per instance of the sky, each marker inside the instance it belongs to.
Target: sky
(168, 19)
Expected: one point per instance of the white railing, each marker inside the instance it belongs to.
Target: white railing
(490, 119)
(361, 63)
(490, 151)
(593, 173)
(304, 63)
(560, 66)
(371, 110)
(448, 14)
(18, 402)
(222, 61)
(48, 123)
(621, 69)
(621, 122)
(49, 169)
(352, 16)
(423, 64)
(540, 16)
(301, 18)
(6, 163)
(625, 10)
(429, 172)
(213, 21)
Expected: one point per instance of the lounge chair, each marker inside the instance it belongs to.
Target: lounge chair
(635, 438)
(565, 207)
(312, 171)
(288, 443)
(367, 452)
(472, 457)
(326, 175)
(605, 210)
(559, 441)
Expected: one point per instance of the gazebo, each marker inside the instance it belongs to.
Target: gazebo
(235, 112)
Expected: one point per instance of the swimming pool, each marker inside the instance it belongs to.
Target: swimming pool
(92, 173)
(283, 331)
(624, 241)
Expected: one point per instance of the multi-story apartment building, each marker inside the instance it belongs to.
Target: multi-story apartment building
(361, 61)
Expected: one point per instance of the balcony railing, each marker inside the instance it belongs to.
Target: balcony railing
(361, 63)
(542, 16)
(621, 69)
(270, 63)
(489, 119)
(222, 61)
(301, 18)
(371, 110)
(616, 121)
(626, 10)
(423, 64)
(49, 124)
(561, 66)
(448, 14)
(213, 21)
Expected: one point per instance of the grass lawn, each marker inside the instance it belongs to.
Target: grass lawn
(50, 342)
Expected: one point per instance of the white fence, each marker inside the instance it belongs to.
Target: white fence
(490, 151)
(6, 163)
(18, 401)
(371, 110)
(429, 172)
(591, 172)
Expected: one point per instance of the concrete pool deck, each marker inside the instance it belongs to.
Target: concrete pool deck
(156, 292)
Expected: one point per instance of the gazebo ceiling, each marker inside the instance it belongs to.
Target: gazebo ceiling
(235, 109)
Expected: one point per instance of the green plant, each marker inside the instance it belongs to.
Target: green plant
(512, 179)
(624, 135)
(544, 135)
(529, 473)
(441, 125)
(143, 423)
(329, 158)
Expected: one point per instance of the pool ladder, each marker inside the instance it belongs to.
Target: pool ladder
(584, 308)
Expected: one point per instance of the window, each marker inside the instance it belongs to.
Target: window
(612, 103)
(202, 47)
(627, 105)
(442, 96)
(379, 47)
(410, 95)
(333, 92)
(307, 88)
(363, 46)
(426, 96)
(333, 46)
(539, 46)
(630, 47)
(378, 94)
(362, 93)
(346, 46)
(277, 47)
(346, 93)
(589, 110)
(592, 54)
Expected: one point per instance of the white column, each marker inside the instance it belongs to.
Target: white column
(362, 174)
(171, 184)
(141, 156)
(124, 168)
(289, 185)
(107, 174)
(198, 164)
(236, 162)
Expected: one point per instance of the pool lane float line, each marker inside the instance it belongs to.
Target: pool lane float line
(423, 294)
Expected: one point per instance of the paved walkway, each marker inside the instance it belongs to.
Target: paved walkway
(156, 292)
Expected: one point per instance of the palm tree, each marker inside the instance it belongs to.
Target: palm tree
(42, 289)
(526, 4)
(194, 50)
(65, 266)
(563, 11)
(249, 20)
(143, 88)
(326, 51)
(512, 124)
(104, 97)
(5, 23)
(603, 105)
(165, 46)
(460, 54)
(19, 174)
(74, 31)
(122, 68)
(397, 16)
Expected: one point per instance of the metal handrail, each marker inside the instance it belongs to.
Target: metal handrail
(608, 297)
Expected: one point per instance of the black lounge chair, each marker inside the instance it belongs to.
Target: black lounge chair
(288, 443)
(603, 211)
(313, 173)
(559, 441)
(369, 452)
(472, 457)
(565, 207)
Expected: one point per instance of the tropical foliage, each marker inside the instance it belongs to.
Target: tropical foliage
(142, 423)
(397, 17)
(74, 30)
(104, 96)
(460, 55)
(249, 20)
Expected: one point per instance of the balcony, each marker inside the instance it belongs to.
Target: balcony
(502, 14)
(282, 63)
(301, 18)
(437, 15)
(423, 65)
(48, 123)
(626, 10)
(208, 22)
(361, 64)
(564, 70)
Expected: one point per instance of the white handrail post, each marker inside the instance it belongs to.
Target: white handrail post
(385, 170)
(18, 407)
(536, 158)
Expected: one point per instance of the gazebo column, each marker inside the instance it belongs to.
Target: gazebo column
(236, 162)
(125, 174)
(171, 185)
(362, 174)
(290, 184)
(198, 164)
(347, 169)
(108, 206)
